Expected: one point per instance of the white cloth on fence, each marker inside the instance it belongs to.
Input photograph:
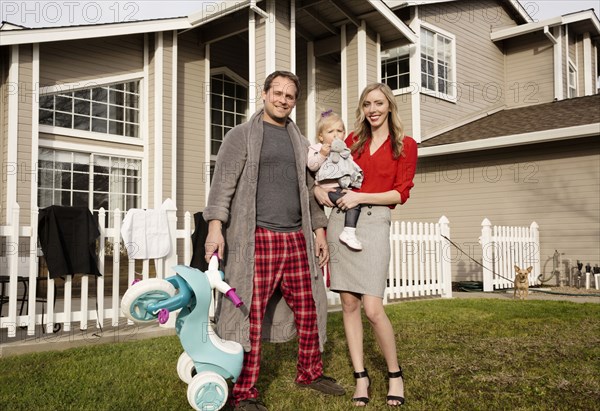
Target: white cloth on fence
(146, 234)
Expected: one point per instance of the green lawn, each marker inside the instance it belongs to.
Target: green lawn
(456, 354)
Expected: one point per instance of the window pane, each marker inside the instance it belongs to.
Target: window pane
(131, 100)
(80, 181)
(403, 81)
(214, 147)
(47, 102)
(229, 89)
(216, 102)
(45, 198)
(131, 130)
(99, 110)
(132, 87)
(64, 104)
(241, 92)
(100, 182)
(115, 127)
(131, 115)
(81, 167)
(115, 113)
(228, 119)
(80, 199)
(65, 198)
(391, 69)
(46, 117)
(118, 87)
(116, 97)
(99, 126)
(216, 86)
(100, 200)
(63, 120)
(81, 123)
(392, 82)
(99, 94)
(82, 107)
(215, 117)
(84, 94)
(229, 104)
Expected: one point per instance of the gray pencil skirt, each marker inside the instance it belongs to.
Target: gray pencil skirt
(366, 271)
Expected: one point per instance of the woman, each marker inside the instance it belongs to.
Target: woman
(388, 160)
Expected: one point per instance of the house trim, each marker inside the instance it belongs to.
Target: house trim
(13, 130)
(145, 128)
(44, 35)
(558, 68)
(270, 37)
(174, 117)
(88, 149)
(158, 119)
(362, 57)
(89, 135)
(389, 15)
(251, 61)
(587, 65)
(414, 59)
(451, 96)
(311, 103)
(587, 130)
(97, 82)
(207, 107)
(35, 124)
(293, 45)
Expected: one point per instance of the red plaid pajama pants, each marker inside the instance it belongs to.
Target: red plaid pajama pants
(280, 260)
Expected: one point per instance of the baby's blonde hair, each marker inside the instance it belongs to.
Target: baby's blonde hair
(326, 119)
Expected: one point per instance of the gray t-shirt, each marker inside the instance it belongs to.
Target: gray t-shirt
(277, 196)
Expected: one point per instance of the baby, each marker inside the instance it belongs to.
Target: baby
(332, 161)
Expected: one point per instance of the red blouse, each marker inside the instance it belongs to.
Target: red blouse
(384, 173)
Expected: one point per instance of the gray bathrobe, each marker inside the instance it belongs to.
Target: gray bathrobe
(232, 200)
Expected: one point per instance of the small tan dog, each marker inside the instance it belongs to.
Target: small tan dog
(522, 282)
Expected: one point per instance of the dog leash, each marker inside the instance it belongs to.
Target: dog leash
(475, 261)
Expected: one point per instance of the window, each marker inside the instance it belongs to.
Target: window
(88, 180)
(228, 103)
(110, 109)
(395, 68)
(572, 81)
(436, 61)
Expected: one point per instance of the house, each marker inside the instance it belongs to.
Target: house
(128, 114)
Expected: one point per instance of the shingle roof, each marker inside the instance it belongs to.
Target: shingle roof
(558, 114)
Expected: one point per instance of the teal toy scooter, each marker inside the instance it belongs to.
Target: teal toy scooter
(207, 361)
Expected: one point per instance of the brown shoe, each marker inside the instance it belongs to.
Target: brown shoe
(250, 404)
(326, 385)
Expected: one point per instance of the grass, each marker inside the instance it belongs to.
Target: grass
(456, 354)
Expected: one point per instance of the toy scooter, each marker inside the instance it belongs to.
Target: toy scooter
(207, 361)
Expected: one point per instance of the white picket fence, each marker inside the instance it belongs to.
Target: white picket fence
(503, 248)
(417, 269)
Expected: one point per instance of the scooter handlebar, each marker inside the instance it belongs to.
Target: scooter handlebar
(234, 298)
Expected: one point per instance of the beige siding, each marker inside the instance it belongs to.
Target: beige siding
(261, 73)
(405, 110)
(87, 60)
(580, 66)
(301, 72)
(191, 154)
(167, 145)
(150, 115)
(353, 93)
(479, 62)
(529, 70)
(545, 183)
(328, 87)
(372, 61)
(26, 175)
(282, 36)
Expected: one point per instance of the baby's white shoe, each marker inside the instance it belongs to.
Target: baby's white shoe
(350, 240)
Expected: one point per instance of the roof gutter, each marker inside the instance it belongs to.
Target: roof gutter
(587, 130)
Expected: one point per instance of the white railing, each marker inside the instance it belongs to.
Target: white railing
(84, 307)
(419, 266)
(503, 248)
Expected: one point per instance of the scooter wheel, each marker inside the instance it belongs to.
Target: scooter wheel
(207, 392)
(185, 368)
(140, 295)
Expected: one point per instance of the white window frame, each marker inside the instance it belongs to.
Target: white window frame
(91, 135)
(572, 86)
(451, 95)
(91, 155)
(401, 90)
(229, 73)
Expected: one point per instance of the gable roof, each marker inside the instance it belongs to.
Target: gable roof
(570, 118)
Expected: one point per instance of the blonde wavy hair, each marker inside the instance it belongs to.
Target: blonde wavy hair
(362, 128)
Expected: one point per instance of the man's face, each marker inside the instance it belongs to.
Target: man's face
(279, 101)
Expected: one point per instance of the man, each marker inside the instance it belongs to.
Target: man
(261, 203)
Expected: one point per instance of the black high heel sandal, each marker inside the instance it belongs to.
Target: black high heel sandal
(364, 400)
(397, 374)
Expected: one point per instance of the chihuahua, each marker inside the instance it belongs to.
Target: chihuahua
(522, 282)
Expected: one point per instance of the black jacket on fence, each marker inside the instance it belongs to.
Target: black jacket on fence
(68, 239)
